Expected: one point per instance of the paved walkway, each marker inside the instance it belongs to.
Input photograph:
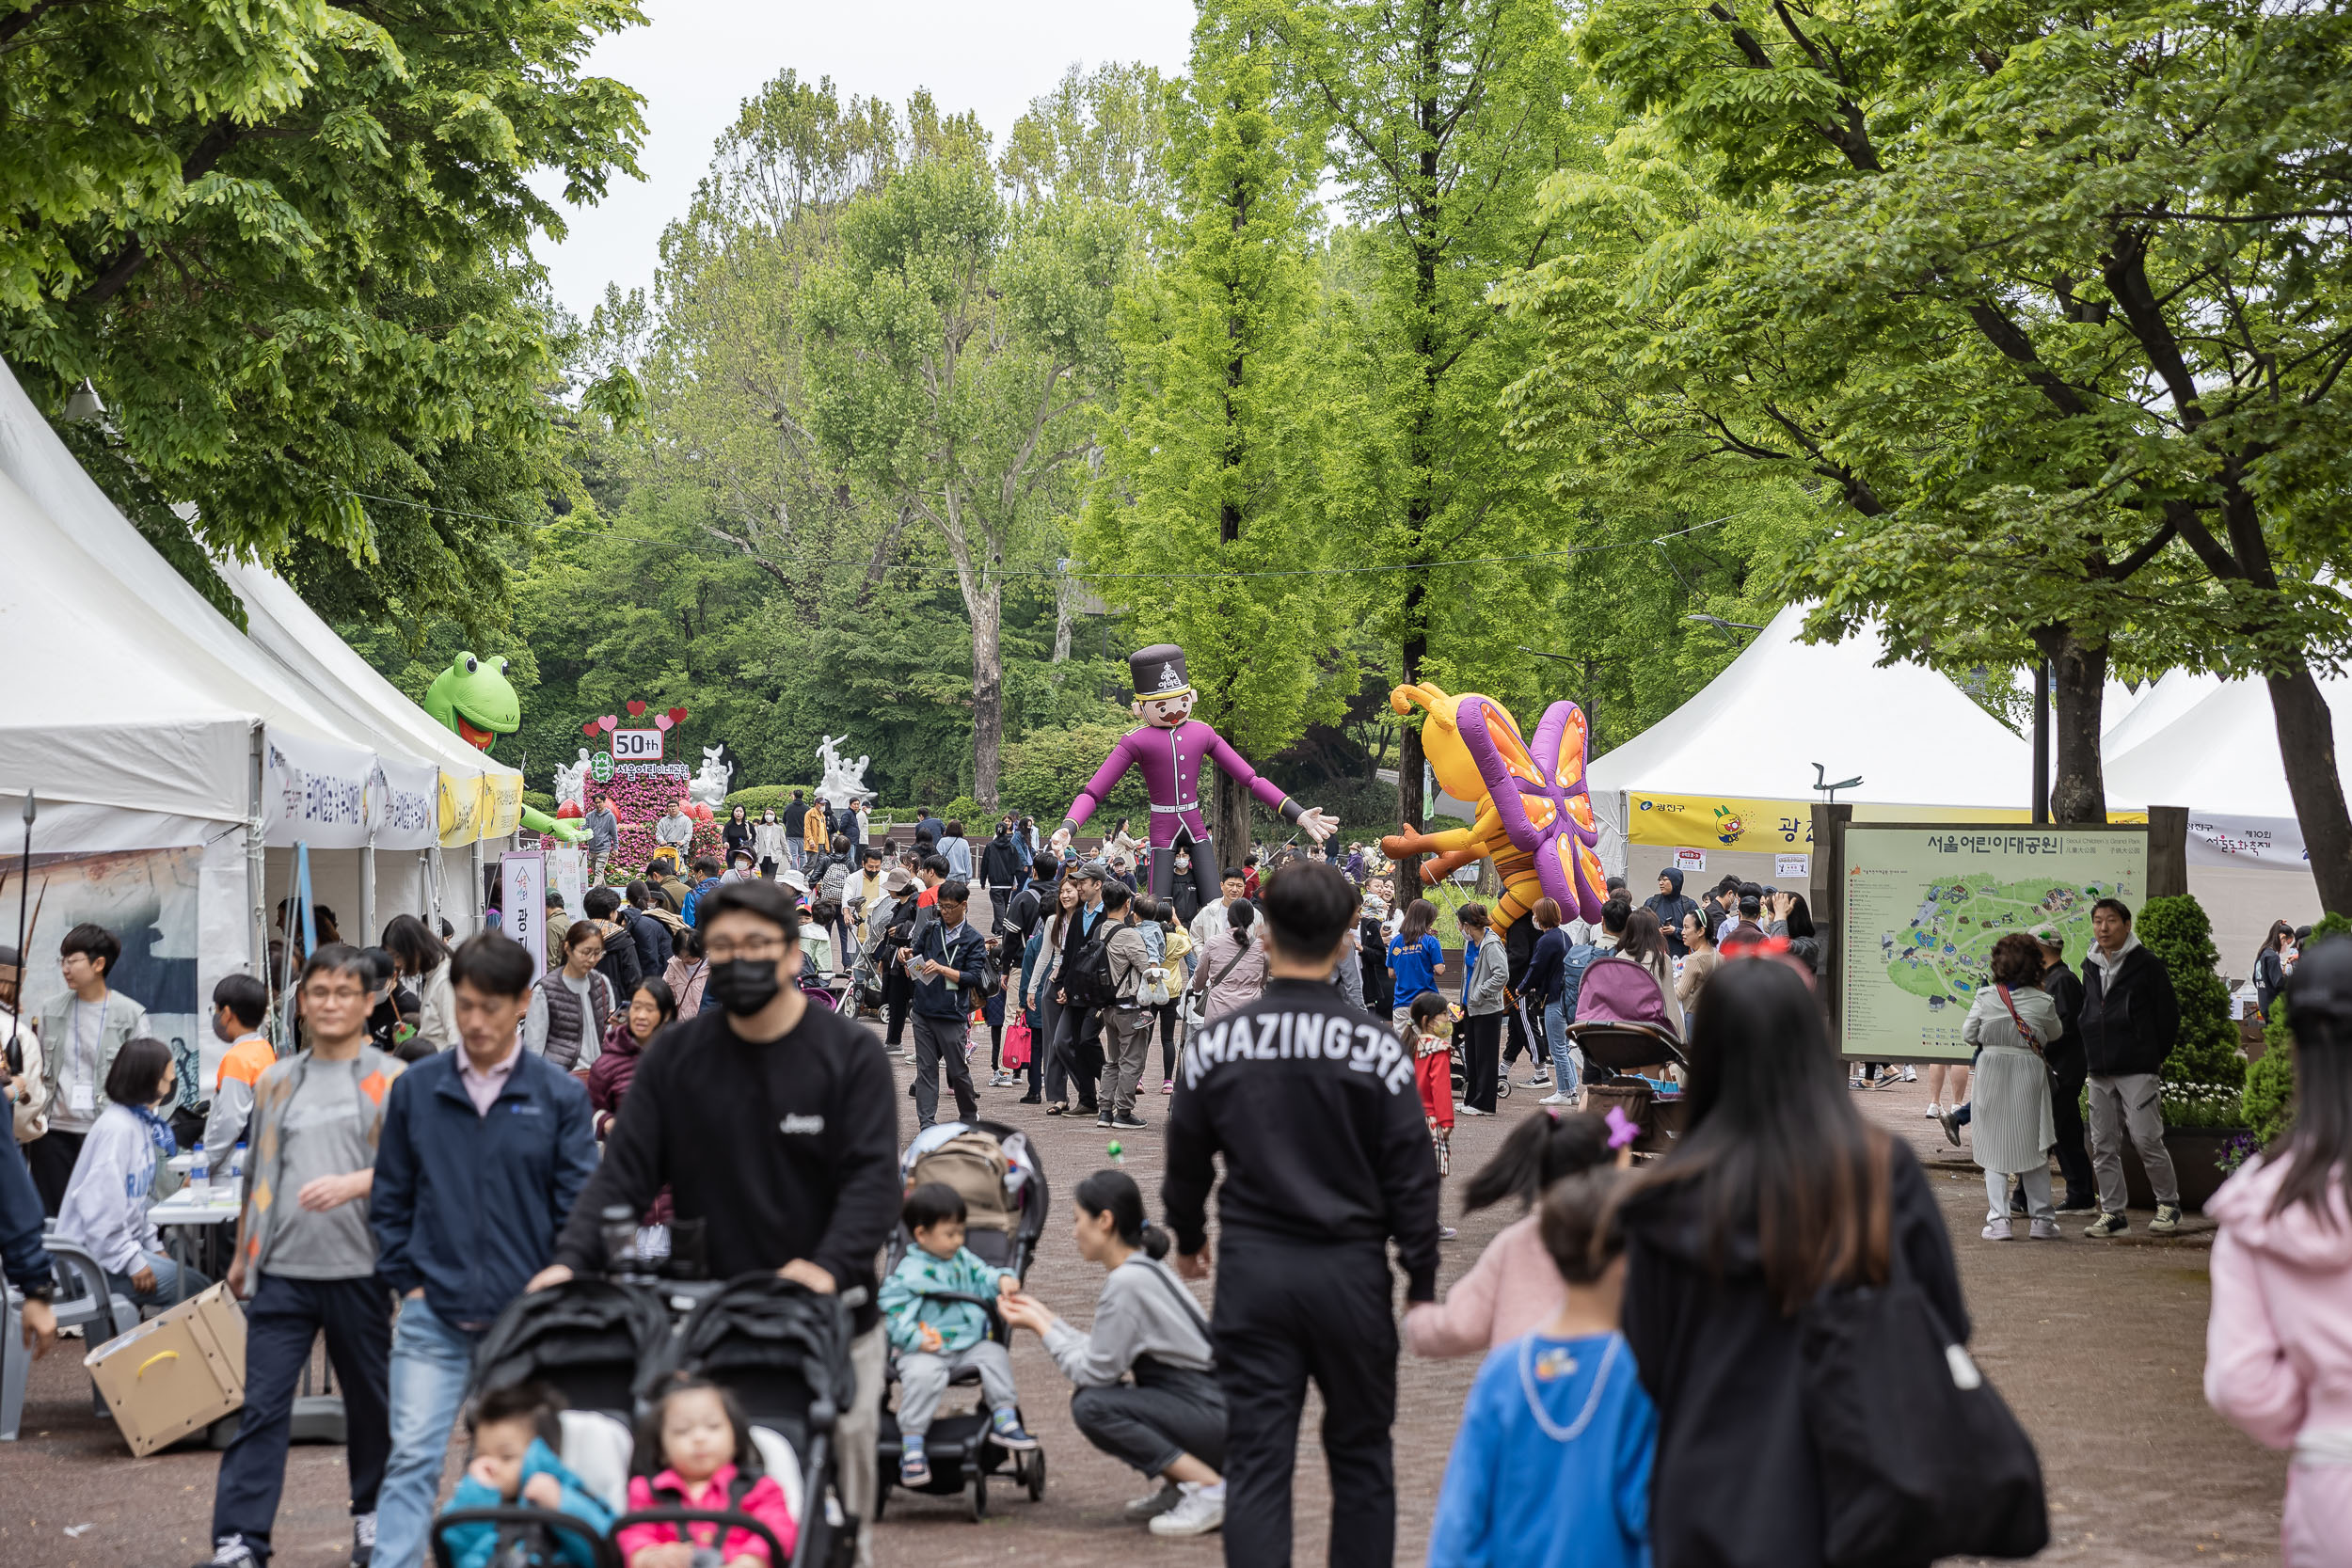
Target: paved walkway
(2099, 1346)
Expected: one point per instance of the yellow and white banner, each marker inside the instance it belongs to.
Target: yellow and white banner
(1779, 827)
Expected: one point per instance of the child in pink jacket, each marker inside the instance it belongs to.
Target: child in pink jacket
(2278, 1342)
(698, 1439)
(1514, 1287)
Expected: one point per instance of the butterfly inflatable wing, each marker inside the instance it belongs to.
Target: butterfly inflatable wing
(1541, 794)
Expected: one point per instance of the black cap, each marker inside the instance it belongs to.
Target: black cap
(1158, 671)
(2321, 985)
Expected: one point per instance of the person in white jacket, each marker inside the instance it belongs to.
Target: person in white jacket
(105, 1211)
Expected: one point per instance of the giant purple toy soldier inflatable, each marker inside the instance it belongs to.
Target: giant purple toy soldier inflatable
(1169, 749)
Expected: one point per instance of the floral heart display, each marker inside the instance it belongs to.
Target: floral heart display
(678, 716)
(609, 722)
(590, 728)
(636, 710)
(662, 721)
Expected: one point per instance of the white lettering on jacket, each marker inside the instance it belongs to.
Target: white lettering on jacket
(1307, 1037)
(811, 1125)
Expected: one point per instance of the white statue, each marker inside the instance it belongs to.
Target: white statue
(709, 787)
(571, 783)
(843, 783)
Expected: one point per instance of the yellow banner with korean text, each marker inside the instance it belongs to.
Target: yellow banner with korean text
(1769, 826)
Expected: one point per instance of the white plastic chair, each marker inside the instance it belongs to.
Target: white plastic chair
(88, 1303)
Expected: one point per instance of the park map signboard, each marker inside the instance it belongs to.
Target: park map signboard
(1922, 905)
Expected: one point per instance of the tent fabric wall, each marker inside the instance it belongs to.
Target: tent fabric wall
(1756, 730)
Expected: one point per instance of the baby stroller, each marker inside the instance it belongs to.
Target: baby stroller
(606, 1345)
(1620, 1027)
(1008, 1202)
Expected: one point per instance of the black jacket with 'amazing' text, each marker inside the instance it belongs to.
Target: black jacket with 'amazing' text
(1312, 1103)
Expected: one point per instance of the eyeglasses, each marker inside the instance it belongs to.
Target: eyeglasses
(755, 949)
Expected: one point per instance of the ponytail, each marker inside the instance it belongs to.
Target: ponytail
(1540, 1151)
(1115, 1192)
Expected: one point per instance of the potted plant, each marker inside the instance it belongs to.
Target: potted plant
(2204, 1077)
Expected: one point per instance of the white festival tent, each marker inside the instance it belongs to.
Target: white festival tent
(145, 721)
(1755, 732)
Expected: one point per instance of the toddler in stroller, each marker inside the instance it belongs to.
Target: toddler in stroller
(935, 1311)
(982, 1179)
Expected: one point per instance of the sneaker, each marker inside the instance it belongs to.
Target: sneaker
(1911, 1074)
(1996, 1230)
(1005, 1427)
(362, 1539)
(1474, 1111)
(1542, 1079)
(230, 1551)
(2108, 1224)
(1447, 1232)
(1200, 1510)
(2045, 1230)
(1103, 1119)
(1168, 1086)
(1934, 1111)
(1033, 1100)
(2077, 1205)
(2168, 1219)
(914, 1466)
(1153, 1505)
(1950, 1120)
(1557, 1100)
(1129, 1120)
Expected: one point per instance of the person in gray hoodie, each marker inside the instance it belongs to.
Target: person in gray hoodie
(1169, 1420)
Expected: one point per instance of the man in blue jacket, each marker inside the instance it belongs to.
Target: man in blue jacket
(485, 1149)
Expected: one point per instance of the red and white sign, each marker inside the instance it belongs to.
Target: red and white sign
(636, 745)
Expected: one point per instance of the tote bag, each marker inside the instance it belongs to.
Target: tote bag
(1919, 1458)
(1016, 1054)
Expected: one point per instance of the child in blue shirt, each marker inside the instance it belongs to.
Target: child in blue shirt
(935, 1339)
(1551, 1466)
(516, 1433)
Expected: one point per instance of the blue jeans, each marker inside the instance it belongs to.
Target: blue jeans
(1565, 1080)
(430, 1360)
(173, 1285)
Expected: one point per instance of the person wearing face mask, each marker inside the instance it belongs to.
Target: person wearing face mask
(776, 1124)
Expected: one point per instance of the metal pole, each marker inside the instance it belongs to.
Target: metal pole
(23, 891)
(2041, 741)
(367, 894)
(257, 868)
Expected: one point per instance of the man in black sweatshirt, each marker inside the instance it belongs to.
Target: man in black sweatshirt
(773, 1123)
(1313, 1104)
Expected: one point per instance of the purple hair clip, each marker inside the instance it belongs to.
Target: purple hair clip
(1623, 1128)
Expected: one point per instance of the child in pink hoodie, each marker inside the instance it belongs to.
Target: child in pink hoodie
(1514, 1287)
(2278, 1342)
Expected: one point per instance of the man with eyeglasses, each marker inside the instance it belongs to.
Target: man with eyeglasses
(773, 1123)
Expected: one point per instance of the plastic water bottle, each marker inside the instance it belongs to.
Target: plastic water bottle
(201, 1178)
(237, 1165)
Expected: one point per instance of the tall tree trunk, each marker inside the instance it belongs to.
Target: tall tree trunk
(2307, 746)
(987, 691)
(1410, 803)
(1229, 822)
(2078, 678)
(1062, 592)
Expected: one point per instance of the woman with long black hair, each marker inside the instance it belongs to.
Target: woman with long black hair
(1645, 943)
(1147, 1391)
(1776, 1190)
(2279, 1344)
(2270, 966)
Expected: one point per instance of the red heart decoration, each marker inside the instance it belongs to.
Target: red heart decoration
(608, 721)
(636, 710)
(589, 728)
(678, 716)
(662, 721)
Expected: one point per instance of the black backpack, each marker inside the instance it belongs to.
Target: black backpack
(1086, 978)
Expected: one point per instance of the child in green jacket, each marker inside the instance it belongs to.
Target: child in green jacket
(937, 1338)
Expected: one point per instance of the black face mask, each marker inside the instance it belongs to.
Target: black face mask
(744, 986)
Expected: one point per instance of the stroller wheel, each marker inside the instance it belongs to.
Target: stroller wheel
(979, 1496)
(1036, 1476)
(1503, 1085)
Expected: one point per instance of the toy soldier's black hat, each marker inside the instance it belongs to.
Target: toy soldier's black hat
(1159, 671)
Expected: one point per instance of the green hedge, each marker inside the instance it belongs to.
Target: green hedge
(2204, 1077)
(760, 798)
(2270, 1083)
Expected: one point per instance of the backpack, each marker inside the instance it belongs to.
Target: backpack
(1087, 977)
(973, 1164)
(1579, 959)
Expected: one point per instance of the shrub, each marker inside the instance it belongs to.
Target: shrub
(760, 798)
(1044, 770)
(539, 799)
(2204, 1077)
(2270, 1083)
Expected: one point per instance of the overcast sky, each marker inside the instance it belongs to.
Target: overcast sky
(698, 59)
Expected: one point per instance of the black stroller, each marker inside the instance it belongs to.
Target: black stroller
(608, 1345)
(1002, 1232)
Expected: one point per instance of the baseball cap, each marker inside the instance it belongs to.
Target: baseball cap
(2048, 936)
(1091, 871)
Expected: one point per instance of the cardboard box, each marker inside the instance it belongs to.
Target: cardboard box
(175, 1373)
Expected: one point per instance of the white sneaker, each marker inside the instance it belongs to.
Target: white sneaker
(1200, 1510)
(1911, 1074)
(1153, 1505)
(1934, 1109)
(1557, 1100)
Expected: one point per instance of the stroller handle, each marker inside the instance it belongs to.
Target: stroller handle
(727, 1518)
(601, 1550)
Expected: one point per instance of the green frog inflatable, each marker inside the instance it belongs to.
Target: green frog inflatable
(474, 698)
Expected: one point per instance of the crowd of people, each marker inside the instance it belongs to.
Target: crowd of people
(425, 1132)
